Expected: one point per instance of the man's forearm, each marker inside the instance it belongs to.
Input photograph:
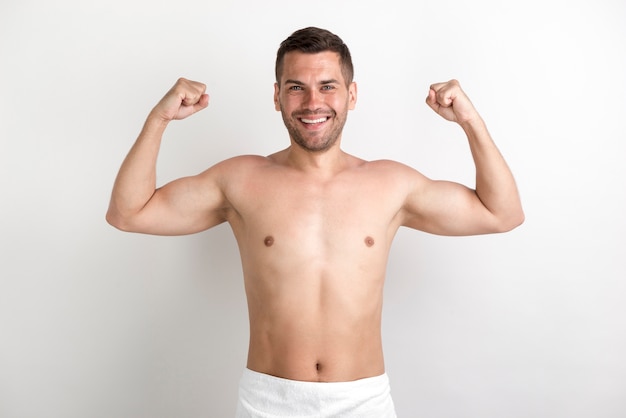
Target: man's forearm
(136, 181)
(495, 184)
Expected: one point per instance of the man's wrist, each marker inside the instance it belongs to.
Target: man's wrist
(156, 121)
(475, 124)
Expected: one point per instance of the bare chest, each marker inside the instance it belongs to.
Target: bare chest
(348, 214)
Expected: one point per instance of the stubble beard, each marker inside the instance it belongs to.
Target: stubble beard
(314, 143)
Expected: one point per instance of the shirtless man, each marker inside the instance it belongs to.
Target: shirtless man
(314, 226)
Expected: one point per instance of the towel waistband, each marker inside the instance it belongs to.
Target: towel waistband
(263, 395)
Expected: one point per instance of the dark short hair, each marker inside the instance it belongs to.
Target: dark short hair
(312, 40)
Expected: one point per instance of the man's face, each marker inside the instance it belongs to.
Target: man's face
(313, 99)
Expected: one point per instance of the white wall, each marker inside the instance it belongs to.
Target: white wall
(98, 323)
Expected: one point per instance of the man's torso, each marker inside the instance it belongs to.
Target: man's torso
(314, 253)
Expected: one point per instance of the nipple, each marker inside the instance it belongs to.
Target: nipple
(269, 240)
(369, 241)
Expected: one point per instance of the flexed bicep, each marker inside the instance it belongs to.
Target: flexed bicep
(184, 206)
(447, 208)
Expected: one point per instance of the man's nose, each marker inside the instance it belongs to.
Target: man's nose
(313, 99)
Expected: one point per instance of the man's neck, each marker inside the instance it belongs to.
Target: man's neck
(320, 163)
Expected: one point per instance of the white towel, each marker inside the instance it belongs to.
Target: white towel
(265, 396)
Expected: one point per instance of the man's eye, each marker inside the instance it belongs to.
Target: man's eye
(328, 87)
(294, 88)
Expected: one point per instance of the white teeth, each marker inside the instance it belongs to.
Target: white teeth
(320, 120)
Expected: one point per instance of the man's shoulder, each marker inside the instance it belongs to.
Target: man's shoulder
(243, 163)
(389, 167)
(393, 174)
(246, 159)
(233, 169)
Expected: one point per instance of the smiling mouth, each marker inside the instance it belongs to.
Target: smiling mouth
(314, 121)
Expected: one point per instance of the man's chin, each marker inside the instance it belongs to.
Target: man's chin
(315, 147)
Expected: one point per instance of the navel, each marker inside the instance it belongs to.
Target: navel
(269, 240)
(369, 241)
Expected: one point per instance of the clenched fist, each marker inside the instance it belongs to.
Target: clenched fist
(185, 98)
(451, 102)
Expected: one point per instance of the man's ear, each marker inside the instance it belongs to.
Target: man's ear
(352, 93)
(276, 99)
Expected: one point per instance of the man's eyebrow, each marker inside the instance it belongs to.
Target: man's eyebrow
(300, 83)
